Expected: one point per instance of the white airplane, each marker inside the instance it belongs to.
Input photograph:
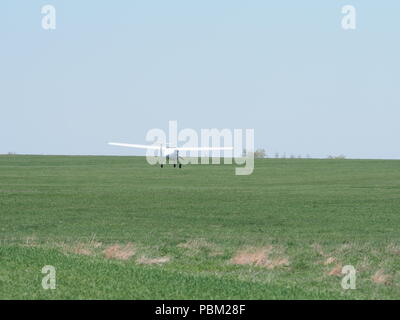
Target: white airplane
(170, 153)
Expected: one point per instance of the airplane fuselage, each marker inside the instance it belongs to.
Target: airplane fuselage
(170, 153)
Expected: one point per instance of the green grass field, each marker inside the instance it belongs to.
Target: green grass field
(117, 228)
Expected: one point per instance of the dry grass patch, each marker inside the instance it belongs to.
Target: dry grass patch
(80, 249)
(381, 278)
(120, 252)
(83, 248)
(259, 257)
(330, 260)
(336, 271)
(392, 248)
(161, 260)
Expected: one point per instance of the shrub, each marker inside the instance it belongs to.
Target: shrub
(339, 157)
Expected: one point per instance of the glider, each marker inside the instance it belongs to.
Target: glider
(169, 152)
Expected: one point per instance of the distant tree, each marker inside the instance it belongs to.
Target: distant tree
(277, 155)
(339, 157)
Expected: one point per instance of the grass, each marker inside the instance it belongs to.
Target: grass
(117, 228)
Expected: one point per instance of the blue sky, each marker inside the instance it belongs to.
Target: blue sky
(112, 70)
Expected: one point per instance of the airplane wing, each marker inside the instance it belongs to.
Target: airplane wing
(204, 148)
(140, 146)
